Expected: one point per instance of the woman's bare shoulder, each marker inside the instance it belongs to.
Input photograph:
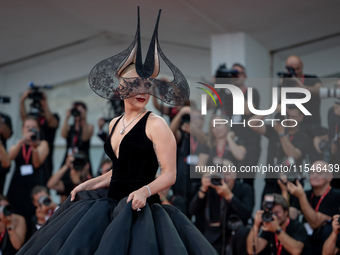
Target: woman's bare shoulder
(112, 123)
(156, 120)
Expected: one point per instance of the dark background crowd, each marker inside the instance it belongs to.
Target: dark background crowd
(299, 214)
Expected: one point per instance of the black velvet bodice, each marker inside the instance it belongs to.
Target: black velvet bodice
(136, 165)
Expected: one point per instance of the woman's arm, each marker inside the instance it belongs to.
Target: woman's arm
(165, 148)
(99, 182)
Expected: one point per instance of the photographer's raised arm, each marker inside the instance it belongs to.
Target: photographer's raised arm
(254, 242)
(52, 121)
(5, 130)
(315, 219)
(55, 181)
(176, 122)
(23, 112)
(15, 149)
(66, 127)
(238, 151)
(329, 247)
(4, 159)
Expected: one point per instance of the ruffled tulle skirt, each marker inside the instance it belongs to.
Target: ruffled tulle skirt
(97, 225)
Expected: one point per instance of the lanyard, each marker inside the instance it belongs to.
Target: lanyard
(277, 242)
(2, 235)
(220, 152)
(193, 144)
(303, 79)
(26, 154)
(291, 137)
(321, 198)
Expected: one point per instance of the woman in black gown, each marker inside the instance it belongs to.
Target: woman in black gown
(130, 220)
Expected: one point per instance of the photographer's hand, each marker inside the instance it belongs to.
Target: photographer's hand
(223, 190)
(258, 219)
(279, 128)
(336, 224)
(295, 190)
(271, 226)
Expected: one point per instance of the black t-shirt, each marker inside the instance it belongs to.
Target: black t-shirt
(329, 205)
(300, 140)
(295, 230)
(7, 120)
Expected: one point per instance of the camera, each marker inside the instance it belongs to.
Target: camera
(185, 119)
(44, 200)
(267, 216)
(7, 210)
(36, 95)
(216, 179)
(291, 73)
(5, 100)
(223, 72)
(35, 136)
(234, 222)
(79, 161)
(75, 112)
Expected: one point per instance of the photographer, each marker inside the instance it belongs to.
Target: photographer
(317, 205)
(287, 145)
(222, 199)
(45, 207)
(274, 232)
(312, 83)
(78, 134)
(29, 155)
(332, 244)
(186, 121)
(12, 229)
(72, 173)
(48, 122)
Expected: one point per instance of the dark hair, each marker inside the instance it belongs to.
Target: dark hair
(80, 103)
(37, 189)
(278, 200)
(31, 117)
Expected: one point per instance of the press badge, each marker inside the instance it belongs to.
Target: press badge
(308, 228)
(26, 170)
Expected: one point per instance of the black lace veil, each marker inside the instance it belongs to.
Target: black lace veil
(105, 79)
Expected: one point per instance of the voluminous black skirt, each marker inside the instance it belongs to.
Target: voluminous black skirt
(97, 225)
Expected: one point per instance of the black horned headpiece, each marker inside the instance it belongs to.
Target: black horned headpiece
(105, 77)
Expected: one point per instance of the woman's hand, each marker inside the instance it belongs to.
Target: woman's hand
(138, 198)
(78, 188)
